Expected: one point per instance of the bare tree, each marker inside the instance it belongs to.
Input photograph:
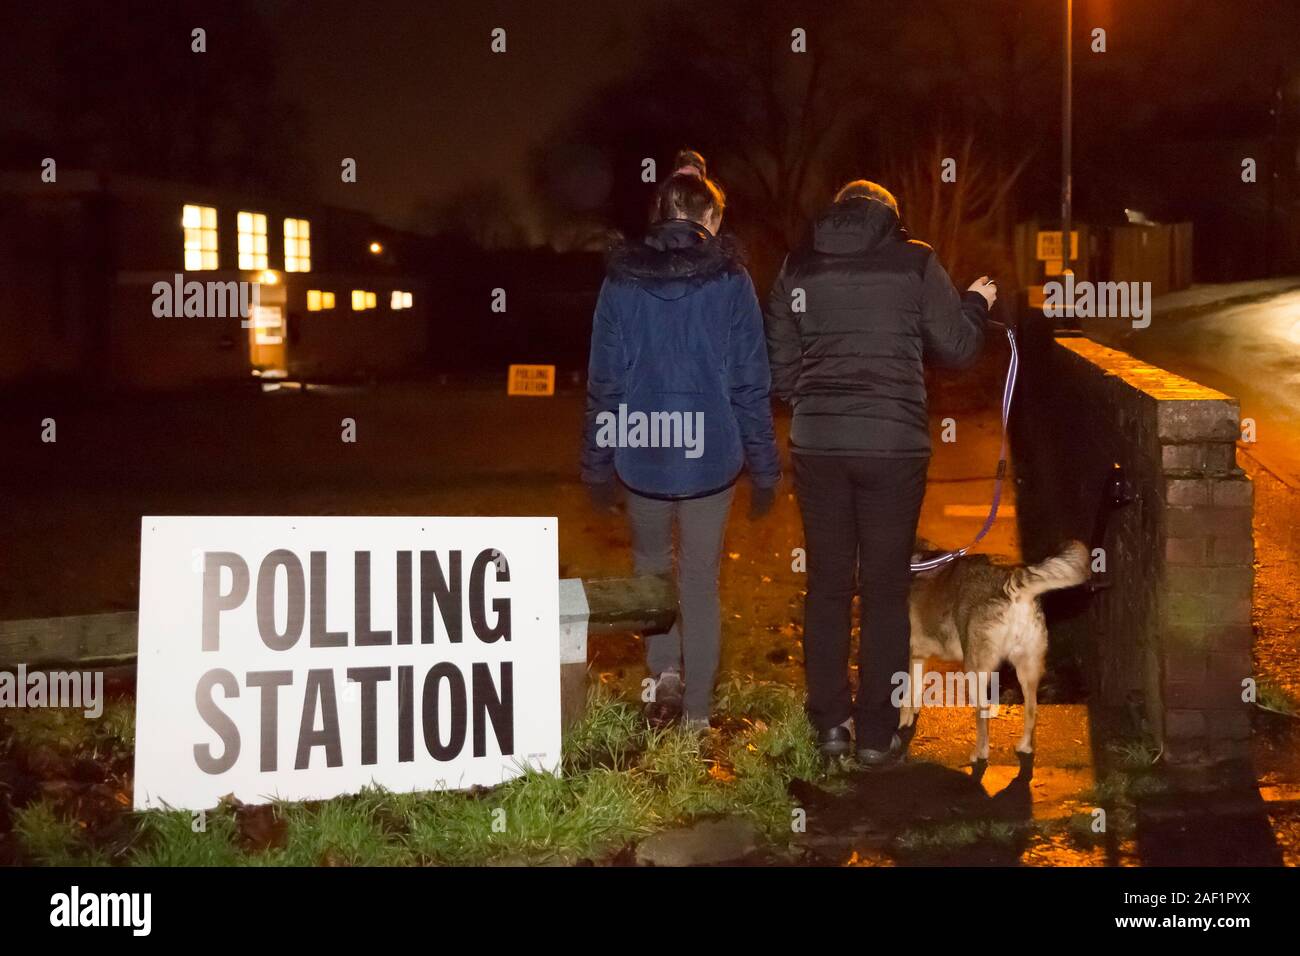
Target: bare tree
(776, 86)
(788, 99)
(483, 214)
(961, 216)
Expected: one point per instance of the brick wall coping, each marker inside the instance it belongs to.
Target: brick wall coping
(1156, 382)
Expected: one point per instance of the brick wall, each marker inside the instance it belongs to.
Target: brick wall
(1166, 640)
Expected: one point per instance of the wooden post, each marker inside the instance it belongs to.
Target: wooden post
(605, 606)
(575, 617)
(78, 639)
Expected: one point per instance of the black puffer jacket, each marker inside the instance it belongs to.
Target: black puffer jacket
(849, 321)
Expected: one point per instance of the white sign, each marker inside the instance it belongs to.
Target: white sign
(302, 658)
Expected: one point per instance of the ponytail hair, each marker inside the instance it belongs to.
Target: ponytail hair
(689, 193)
(687, 160)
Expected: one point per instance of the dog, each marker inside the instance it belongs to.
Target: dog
(981, 614)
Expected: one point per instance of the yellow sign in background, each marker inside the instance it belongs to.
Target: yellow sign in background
(531, 380)
(1049, 245)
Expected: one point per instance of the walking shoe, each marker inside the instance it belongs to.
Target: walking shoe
(879, 759)
(667, 704)
(699, 726)
(836, 741)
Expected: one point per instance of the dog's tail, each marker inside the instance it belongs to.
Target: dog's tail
(1065, 569)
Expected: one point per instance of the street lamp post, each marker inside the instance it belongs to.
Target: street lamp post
(1067, 132)
(1275, 164)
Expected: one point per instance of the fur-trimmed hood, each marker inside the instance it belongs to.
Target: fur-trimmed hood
(678, 333)
(675, 257)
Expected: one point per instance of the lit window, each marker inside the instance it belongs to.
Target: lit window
(200, 226)
(400, 300)
(407, 300)
(371, 300)
(252, 240)
(318, 300)
(297, 245)
(358, 300)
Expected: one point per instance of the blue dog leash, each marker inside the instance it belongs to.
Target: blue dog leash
(1013, 366)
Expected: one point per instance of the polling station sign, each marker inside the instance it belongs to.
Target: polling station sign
(531, 380)
(303, 658)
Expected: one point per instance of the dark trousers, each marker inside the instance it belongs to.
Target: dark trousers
(694, 643)
(859, 514)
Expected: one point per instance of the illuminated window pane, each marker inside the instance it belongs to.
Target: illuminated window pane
(370, 300)
(252, 240)
(327, 300)
(313, 300)
(358, 300)
(395, 302)
(297, 245)
(199, 229)
(407, 300)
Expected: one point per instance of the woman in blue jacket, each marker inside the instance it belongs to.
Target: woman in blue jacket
(677, 405)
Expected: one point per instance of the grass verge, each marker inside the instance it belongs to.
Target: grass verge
(620, 781)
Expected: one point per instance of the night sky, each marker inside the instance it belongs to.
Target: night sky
(412, 90)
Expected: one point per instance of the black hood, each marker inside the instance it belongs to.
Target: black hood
(855, 225)
(676, 256)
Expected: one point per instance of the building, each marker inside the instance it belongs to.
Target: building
(90, 268)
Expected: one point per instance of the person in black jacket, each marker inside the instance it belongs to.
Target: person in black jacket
(852, 316)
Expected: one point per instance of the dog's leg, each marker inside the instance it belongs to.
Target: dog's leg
(1029, 670)
(907, 714)
(910, 712)
(981, 751)
(983, 663)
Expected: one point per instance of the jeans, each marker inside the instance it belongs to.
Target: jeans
(859, 514)
(694, 642)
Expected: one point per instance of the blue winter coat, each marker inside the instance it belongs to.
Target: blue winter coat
(678, 383)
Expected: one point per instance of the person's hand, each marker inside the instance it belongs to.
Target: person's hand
(986, 287)
(604, 496)
(761, 501)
